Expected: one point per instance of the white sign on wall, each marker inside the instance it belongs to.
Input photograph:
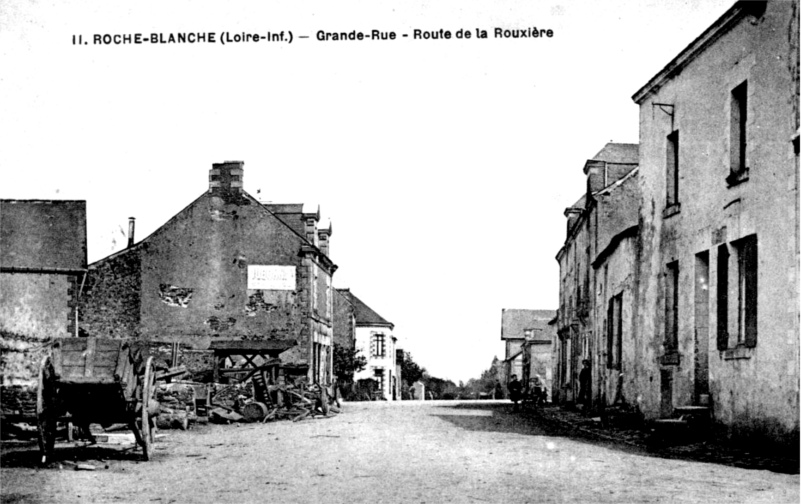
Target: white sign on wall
(271, 277)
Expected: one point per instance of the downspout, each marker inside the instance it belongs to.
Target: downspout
(78, 300)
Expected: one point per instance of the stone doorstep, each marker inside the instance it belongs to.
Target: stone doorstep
(117, 438)
(120, 438)
(668, 422)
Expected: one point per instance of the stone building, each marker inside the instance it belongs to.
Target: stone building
(597, 225)
(375, 341)
(42, 266)
(528, 337)
(718, 293)
(225, 268)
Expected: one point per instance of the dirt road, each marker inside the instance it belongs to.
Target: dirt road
(428, 452)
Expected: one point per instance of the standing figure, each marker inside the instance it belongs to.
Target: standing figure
(539, 390)
(514, 387)
(585, 379)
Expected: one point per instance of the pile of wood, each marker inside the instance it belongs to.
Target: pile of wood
(294, 401)
(270, 391)
(176, 405)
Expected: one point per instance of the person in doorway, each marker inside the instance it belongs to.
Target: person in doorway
(515, 388)
(585, 379)
(539, 392)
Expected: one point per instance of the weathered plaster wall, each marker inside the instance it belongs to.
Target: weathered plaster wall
(617, 210)
(754, 390)
(615, 276)
(43, 234)
(513, 346)
(614, 272)
(205, 251)
(36, 305)
(33, 308)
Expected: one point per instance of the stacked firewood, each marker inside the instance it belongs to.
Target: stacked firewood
(176, 405)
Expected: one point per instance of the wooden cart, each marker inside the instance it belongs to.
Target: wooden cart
(96, 380)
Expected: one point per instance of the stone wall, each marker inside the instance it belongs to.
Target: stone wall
(110, 300)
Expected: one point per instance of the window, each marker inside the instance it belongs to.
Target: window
(746, 291)
(379, 348)
(672, 169)
(316, 361)
(723, 297)
(614, 332)
(672, 307)
(738, 135)
(314, 286)
(563, 356)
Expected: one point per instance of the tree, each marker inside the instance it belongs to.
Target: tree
(410, 370)
(489, 378)
(347, 362)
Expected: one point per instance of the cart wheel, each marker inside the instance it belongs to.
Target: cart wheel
(147, 426)
(45, 409)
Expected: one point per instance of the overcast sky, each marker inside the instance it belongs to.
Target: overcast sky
(444, 165)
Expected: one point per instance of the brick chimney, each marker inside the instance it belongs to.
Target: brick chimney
(325, 239)
(225, 179)
(310, 226)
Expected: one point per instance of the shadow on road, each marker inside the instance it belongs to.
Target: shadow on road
(499, 417)
(28, 455)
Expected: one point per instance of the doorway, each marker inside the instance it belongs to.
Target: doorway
(701, 326)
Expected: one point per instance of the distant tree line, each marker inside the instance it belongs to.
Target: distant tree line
(348, 362)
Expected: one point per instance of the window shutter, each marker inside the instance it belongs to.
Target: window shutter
(723, 340)
(608, 330)
(723, 297)
(750, 264)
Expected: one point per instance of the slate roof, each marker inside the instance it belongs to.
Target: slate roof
(295, 229)
(514, 322)
(365, 316)
(619, 153)
(43, 235)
